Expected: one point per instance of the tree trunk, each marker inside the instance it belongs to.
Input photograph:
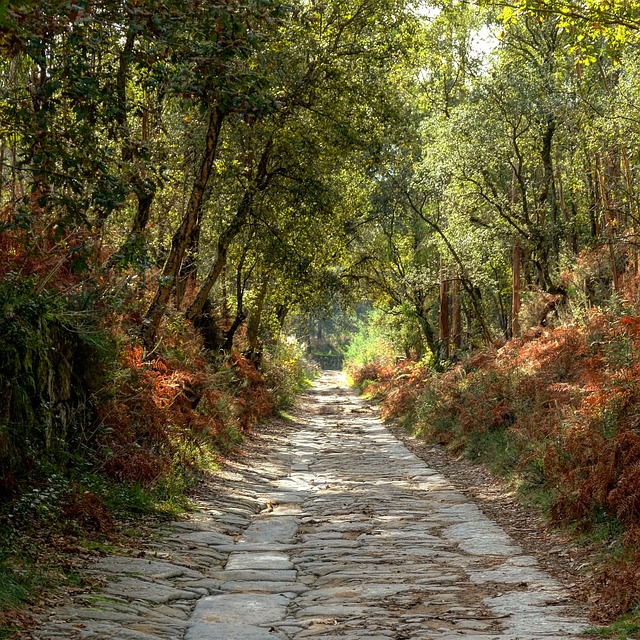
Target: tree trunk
(282, 310)
(240, 314)
(548, 190)
(609, 222)
(224, 242)
(443, 317)
(465, 283)
(231, 332)
(255, 318)
(121, 79)
(135, 237)
(457, 315)
(430, 338)
(633, 211)
(515, 289)
(188, 271)
(233, 229)
(181, 238)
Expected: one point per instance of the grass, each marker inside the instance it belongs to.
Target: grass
(41, 553)
(627, 627)
(494, 447)
(12, 591)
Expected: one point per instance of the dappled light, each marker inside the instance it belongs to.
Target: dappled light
(202, 204)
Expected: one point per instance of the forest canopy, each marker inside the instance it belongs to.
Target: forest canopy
(240, 161)
(251, 167)
(194, 194)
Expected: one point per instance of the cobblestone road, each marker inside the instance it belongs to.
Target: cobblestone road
(334, 531)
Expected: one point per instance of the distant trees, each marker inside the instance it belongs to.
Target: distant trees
(246, 159)
(516, 163)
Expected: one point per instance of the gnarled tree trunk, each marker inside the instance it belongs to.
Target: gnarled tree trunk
(182, 235)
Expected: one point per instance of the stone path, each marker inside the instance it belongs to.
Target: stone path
(336, 531)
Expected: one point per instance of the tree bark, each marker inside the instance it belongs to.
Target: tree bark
(222, 248)
(181, 238)
(467, 286)
(282, 310)
(255, 319)
(2, 154)
(609, 222)
(240, 313)
(457, 314)
(548, 191)
(515, 289)
(633, 212)
(233, 229)
(443, 317)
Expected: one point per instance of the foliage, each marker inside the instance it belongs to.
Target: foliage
(181, 185)
(617, 22)
(143, 431)
(372, 344)
(628, 626)
(44, 347)
(287, 371)
(553, 410)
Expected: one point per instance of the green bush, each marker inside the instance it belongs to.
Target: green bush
(373, 343)
(287, 371)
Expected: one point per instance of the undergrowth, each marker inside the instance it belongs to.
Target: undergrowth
(555, 411)
(100, 437)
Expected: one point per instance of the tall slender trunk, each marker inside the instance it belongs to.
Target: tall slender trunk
(609, 222)
(516, 262)
(240, 312)
(188, 271)
(457, 314)
(430, 337)
(548, 193)
(135, 237)
(468, 287)
(255, 319)
(633, 210)
(144, 190)
(443, 317)
(222, 248)
(2, 154)
(282, 310)
(257, 184)
(181, 237)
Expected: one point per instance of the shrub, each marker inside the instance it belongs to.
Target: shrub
(557, 410)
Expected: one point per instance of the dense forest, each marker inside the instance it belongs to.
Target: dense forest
(194, 194)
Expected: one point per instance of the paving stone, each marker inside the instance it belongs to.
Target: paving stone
(259, 560)
(271, 530)
(154, 569)
(136, 589)
(207, 538)
(264, 586)
(338, 532)
(252, 575)
(228, 616)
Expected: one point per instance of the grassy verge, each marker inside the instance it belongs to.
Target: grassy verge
(627, 627)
